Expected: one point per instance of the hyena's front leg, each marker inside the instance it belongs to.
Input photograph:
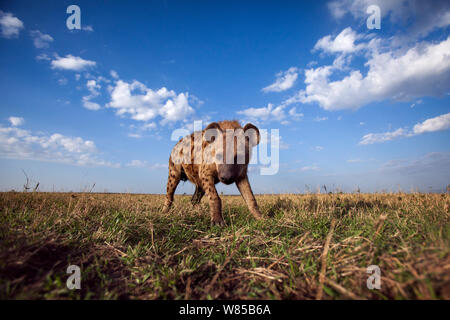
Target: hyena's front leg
(198, 195)
(215, 204)
(172, 183)
(247, 193)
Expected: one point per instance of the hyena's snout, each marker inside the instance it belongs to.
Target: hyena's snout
(229, 173)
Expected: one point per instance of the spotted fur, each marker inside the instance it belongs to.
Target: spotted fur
(195, 158)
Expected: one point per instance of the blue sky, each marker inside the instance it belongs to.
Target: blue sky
(355, 107)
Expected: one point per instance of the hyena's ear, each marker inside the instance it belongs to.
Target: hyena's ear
(212, 132)
(253, 134)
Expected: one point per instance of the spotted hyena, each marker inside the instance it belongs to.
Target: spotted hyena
(219, 153)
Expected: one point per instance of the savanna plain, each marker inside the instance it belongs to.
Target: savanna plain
(308, 246)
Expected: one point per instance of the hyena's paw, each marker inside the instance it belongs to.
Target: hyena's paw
(258, 216)
(218, 221)
(166, 207)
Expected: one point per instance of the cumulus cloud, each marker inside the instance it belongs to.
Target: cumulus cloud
(93, 88)
(114, 74)
(434, 124)
(144, 104)
(284, 81)
(17, 143)
(10, 26)
(264, 113)
(422, 16)
(176, 108)
(344, 42)
(40, 40)
(16, 121)
(399, 75)
(70, 62)
(90, 105)
(271, 113)
(430, 125)
(402, 67)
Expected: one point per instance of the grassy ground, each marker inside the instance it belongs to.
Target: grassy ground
(309, 246)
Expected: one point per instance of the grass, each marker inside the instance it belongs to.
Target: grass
(127, 249)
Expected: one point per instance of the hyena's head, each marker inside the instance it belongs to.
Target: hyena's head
(230, 148)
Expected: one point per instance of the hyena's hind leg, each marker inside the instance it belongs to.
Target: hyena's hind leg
(197, 196)
(175, 175)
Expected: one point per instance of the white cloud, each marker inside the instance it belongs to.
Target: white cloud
(294, 115)
(320, 119)
(137, 163)
(176, 109)
(416, 103)
(422, 70)
(421, 17)
(16, 143)
(102, 79)
(16, 121)
(336, 9)
(144, 104)
(430, 125)
(277, 141)
(43, 56)
(434, 124)
(285, 80)
(149, 126)
(135, 135)
(70, 62)
(344, 42)
(114, 74)
(40, 40)
(10, 26)
(91, 105)
(271, 113)
(93, 88)
(264, 113)
(318, 148)
(372, 138)
(146, 164)
(88, 28)
(309, 168)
